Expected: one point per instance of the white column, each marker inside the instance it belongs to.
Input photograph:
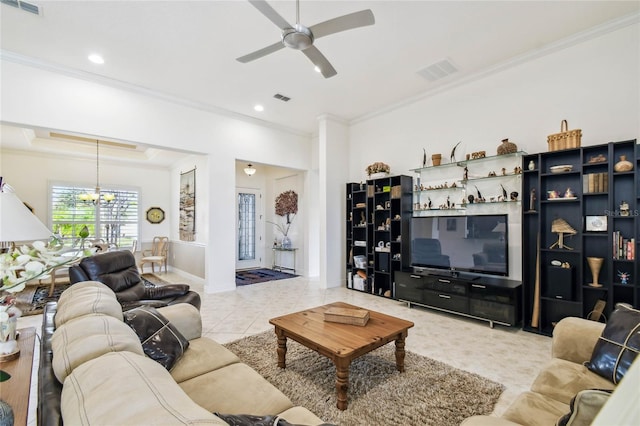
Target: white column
(333, 167)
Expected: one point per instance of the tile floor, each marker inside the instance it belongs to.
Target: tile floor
(506, 355)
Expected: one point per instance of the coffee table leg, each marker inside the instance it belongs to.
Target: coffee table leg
(282, 348)
(400, 353)
(342, 382)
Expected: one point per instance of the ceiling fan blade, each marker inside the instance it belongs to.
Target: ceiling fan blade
(343, 23)
(260, 53)
(320, 61)
(270, 13)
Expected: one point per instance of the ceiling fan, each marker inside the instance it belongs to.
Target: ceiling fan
(299, 37)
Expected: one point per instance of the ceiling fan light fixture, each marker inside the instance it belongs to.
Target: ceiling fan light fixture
(298, 38)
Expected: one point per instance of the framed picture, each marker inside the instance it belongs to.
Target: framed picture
(188, 205)
(596, 223)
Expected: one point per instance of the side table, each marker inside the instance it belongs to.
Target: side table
(15, 391)
(277, 264)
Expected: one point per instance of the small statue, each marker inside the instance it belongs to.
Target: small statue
(514, 196)
(624, 277)
(471, 198)
(465, 175)
(569, 193)
(430, 204)
(532, 200)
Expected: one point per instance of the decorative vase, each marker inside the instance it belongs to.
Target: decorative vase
(595, 263)
(507, 147)
(8, 343)
(623, 165)
(378, 175)
(436, 159)
(286, 242)
(532, 165)
(6, 414)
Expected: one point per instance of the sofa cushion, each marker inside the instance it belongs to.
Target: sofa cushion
(202, 356)
(584, 407)
(155, 398)
(533, 409)
(561, 380)
(85, 338)
(618, 345)
(87, 297)
(236, 387)
(161, 341)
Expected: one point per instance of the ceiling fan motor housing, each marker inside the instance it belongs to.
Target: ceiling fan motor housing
(298, 38)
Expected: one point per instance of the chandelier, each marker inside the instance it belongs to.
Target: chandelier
(96, 197)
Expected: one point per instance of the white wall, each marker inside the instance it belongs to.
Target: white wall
(30, 175)
(34, 97)
(594, 85)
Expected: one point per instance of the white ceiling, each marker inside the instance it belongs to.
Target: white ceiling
(187, 49)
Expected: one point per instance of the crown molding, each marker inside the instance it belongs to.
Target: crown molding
(575, 39)
(6, 55)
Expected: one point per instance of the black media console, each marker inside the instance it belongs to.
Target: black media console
(490, 299)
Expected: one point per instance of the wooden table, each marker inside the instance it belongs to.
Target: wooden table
(341, 343)
(15, 391)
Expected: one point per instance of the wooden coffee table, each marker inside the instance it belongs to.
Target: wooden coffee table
(341, 343)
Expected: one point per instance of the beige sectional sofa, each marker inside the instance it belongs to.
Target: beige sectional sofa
(107, 379)
(559, 381)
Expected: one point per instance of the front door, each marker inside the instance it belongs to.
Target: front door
(250, 247)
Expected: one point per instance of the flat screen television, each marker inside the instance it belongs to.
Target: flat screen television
(471, 243)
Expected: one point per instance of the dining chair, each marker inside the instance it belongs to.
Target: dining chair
(157, 254)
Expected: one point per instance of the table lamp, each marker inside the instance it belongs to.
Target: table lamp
(17, 223)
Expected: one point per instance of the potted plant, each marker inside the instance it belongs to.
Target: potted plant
(287, 207)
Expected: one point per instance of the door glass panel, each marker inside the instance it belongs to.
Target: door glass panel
(246, 226)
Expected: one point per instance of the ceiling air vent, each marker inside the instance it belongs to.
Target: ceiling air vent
(27, 7)
(438, 70)
(282, 97)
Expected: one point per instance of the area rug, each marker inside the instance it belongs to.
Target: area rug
(253, 276)
(427, 393)
(32, 299)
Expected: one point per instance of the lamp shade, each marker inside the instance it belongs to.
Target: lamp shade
(17, 223)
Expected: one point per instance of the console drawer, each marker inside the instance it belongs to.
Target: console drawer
(492, 294)
(446, 285)
(409, 287)
(493, 311)
(451, 302)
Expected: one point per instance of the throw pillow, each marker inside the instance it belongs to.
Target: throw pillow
(584, 407)
(251, 420)
(618, 345)
(160, 340)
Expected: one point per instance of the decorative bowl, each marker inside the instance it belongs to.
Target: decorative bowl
(561, 169)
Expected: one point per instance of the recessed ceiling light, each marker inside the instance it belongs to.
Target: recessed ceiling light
(259, 108)
(96, 59)
(317, 69)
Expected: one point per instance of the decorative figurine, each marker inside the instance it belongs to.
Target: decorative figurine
(532, 165)
(465, 175)
(471, 198)
(624, 277)
(424, 157)
(504, 192)
(624, 209)
(514, 196)
(569, 193)
(452, 158)
(532, 200)
(504, 171)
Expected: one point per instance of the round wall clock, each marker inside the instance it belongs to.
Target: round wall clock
(155, 215)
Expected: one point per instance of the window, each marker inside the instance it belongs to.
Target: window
(114, 219)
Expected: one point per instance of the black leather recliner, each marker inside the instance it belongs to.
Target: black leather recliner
(118, 271)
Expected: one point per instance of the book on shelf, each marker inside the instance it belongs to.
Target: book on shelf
(623, 248)
(595, 182)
